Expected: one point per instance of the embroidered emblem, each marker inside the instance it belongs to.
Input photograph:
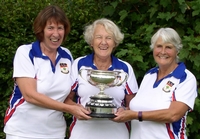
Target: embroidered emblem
(168, 87)
(64, 68)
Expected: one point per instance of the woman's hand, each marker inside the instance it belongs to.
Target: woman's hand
(124, 116)
(79, 112)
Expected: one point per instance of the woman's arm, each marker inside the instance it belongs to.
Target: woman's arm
(173, 113)
(28, 87)
(70, 99)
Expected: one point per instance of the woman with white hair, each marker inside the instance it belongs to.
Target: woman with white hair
(103, 36)
(166, 94)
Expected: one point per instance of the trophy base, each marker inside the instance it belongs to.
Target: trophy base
(102, 112)
(99, 115)
(101, 106)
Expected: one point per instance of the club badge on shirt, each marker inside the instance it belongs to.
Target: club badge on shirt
(64, 68)
(168, 86)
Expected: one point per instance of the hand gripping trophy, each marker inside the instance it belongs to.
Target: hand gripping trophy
(101, 105)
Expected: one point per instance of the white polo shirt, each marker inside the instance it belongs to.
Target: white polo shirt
(180, 85)
(26, 119)
(100, 128)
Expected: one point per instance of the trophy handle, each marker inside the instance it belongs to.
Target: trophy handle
(80, 73)
(86, 78)
(120, 79)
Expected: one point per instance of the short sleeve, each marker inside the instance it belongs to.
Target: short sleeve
(22, 64)
(131, 85)
(186, 91)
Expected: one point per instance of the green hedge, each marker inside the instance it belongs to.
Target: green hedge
(138, 20)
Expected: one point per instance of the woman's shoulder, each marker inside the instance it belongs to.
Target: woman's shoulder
(66, 50)
(189, 74)
(25, 48)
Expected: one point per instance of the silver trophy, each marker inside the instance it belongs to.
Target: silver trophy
(101, 105)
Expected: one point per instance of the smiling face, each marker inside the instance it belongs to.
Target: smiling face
(103, 42)
(164, 54)
(53, 35)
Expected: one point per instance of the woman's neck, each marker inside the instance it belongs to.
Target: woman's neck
(50, 53)
(102, 64)
(165, 71)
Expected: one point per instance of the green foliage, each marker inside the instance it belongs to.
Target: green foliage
(138, 20)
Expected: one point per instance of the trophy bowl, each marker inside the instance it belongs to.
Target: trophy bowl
(101, 105)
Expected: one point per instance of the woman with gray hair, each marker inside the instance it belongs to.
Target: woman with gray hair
(103, 36)
(166, 94)
(168, 35)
